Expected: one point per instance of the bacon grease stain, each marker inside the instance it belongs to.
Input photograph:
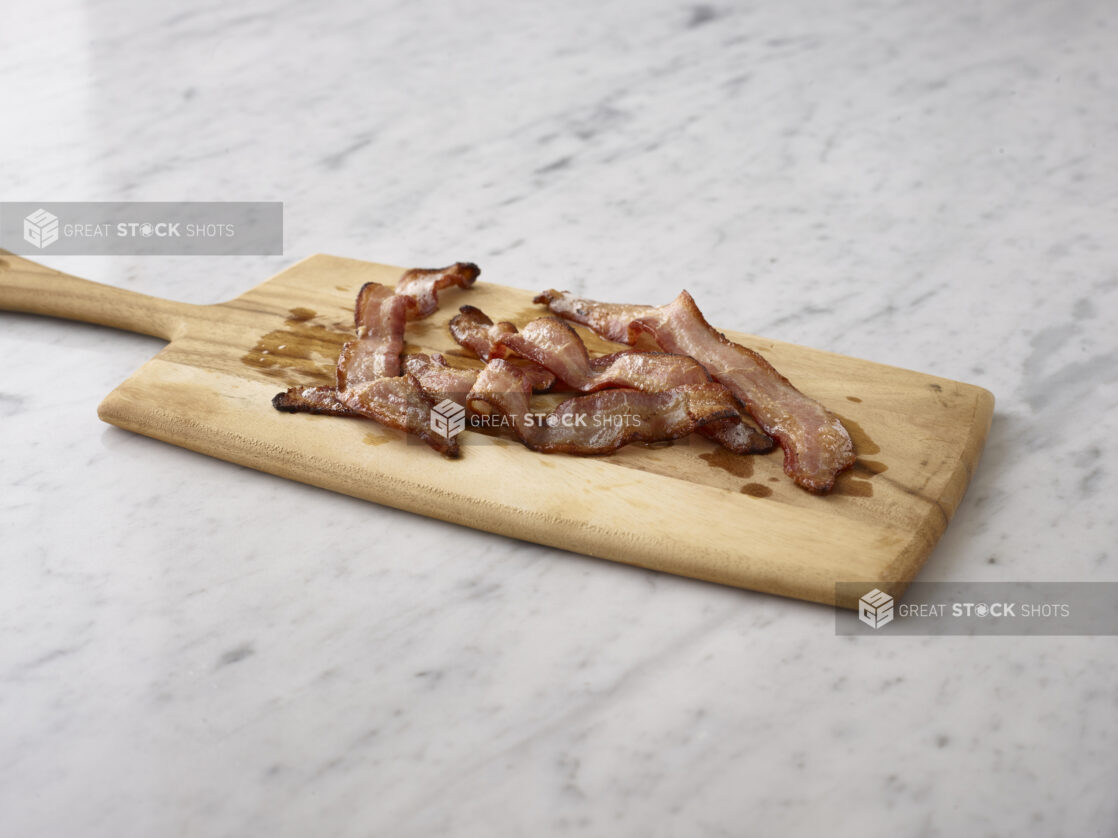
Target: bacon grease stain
(871, 467)
(739, 465)
(848, 484)
(300, 315)
(301, 353)
(757, 490)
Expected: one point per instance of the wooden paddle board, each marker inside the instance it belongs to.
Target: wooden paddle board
(686, 507)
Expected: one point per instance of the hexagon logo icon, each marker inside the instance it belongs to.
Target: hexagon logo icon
(448, 418)
(40, 228)
(875, 609)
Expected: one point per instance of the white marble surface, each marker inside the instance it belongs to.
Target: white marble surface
(191, 648)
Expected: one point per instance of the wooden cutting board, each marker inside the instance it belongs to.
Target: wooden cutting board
(686, 508)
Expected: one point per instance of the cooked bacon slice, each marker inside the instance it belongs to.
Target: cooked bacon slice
(613, 321)
(369, 383)
(368, 388)
(472, 329)
(601, 422)
(438, 379)
(380, 316)
(421, 286)
(400, 403)
(435, 377)
(816, 445)
(736, 436)
(320, 400)
(554, 345)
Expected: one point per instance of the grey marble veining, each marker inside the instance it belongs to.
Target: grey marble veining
(187, 647)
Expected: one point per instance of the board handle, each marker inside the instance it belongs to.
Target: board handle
(37, 289)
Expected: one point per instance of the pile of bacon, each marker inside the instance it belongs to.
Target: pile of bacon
(700, 383)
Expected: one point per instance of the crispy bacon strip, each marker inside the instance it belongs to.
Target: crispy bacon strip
(816, 445)
(656, 371)
(380, 316)
(398, 403)
(369, 383)
(421, 286)
(321, 400)
(381, 313)
(601, 422)
(472, 329)
(435, 377)
(554, 345)
(438, 379)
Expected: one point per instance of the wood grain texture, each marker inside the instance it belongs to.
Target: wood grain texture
(687, 508)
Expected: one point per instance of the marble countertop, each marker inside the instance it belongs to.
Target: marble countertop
(188, 647)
